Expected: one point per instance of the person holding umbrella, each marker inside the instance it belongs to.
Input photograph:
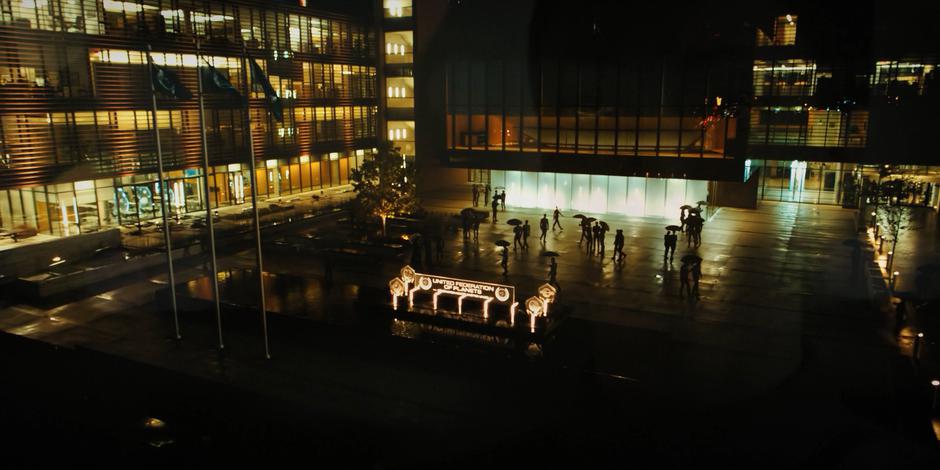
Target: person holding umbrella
(683, 217)
(670, 240)
(543, 226)
(516, 237)
(585, 230)
(596, 239)
(555, 216)
(526, 231)
(684, 275)
(603, 236)
(696, 275)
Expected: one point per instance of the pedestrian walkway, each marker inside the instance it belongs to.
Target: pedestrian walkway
(782, 333)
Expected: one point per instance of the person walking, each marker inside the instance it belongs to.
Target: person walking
(543, 226)
(556, 215)
(553, 273)
(682, 219)
(495, 207)
(526, 231)
(486, 193)
(502, 200)
(585, 231)
(602, 241)
(671, 241)
(476, 195)
(696, 275)
(516, 237)
(684, 278)
(618, 246)
(504, 261)
(596, 238)
(476, 228)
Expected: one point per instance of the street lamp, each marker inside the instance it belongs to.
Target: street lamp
(915, 354)
(894, 278)
(936, 388)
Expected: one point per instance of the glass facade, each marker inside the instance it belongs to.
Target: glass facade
(87, 206)
(77, 147)
(599, 194)
(658, 108)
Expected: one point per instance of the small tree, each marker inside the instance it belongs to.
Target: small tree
(385, 185)
(896, 219)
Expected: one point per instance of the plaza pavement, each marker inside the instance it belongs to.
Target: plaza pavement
(784, 342)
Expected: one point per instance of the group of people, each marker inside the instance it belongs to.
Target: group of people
(594, 235)
(480, 190)
(470, 222)
(692, 226)
(499, 199)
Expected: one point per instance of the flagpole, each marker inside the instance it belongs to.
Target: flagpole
(210, 224)
(164, 203)
(254, 199)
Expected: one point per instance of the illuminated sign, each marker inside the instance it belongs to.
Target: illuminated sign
(410, 282)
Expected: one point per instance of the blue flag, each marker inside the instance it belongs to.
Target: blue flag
(167, 82)
(260, 82)
(215, 81)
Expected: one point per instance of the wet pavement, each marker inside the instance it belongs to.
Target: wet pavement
(783, 358)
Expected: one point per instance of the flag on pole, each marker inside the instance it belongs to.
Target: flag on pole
(260, 82)
(168, 82)
(216, 81)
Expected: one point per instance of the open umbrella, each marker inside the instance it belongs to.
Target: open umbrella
(695, 210)
(502, 243)
(673, 228)
(685, 207)
(691, 259)
(514, 222)
(604, 225)
(702, 203)
(550, 254)
(590, 219)
(579, 216)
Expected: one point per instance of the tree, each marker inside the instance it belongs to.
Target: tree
(896, 219)
(385, 185)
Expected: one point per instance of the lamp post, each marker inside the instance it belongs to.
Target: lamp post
(915, 354)
(936, 389)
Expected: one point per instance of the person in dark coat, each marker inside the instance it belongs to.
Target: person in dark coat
(486, 193)
(685, 275)
(502, 200)
(516, 237)
(504, 260)
(696, 275)
(618, 246)
(596, 238)
(476, 195)
(526, 231)
(495, 207)
(555, 216)
(543, 226)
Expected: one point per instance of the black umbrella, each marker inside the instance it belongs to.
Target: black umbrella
(514, 222)
(604, 225)
(685, 207)
(550, 254)
(695, 210)
(673, 228)
(502, 243)
(691, 259)
(590, 219)
(579, 216)
(702, 203)
(851, 242)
